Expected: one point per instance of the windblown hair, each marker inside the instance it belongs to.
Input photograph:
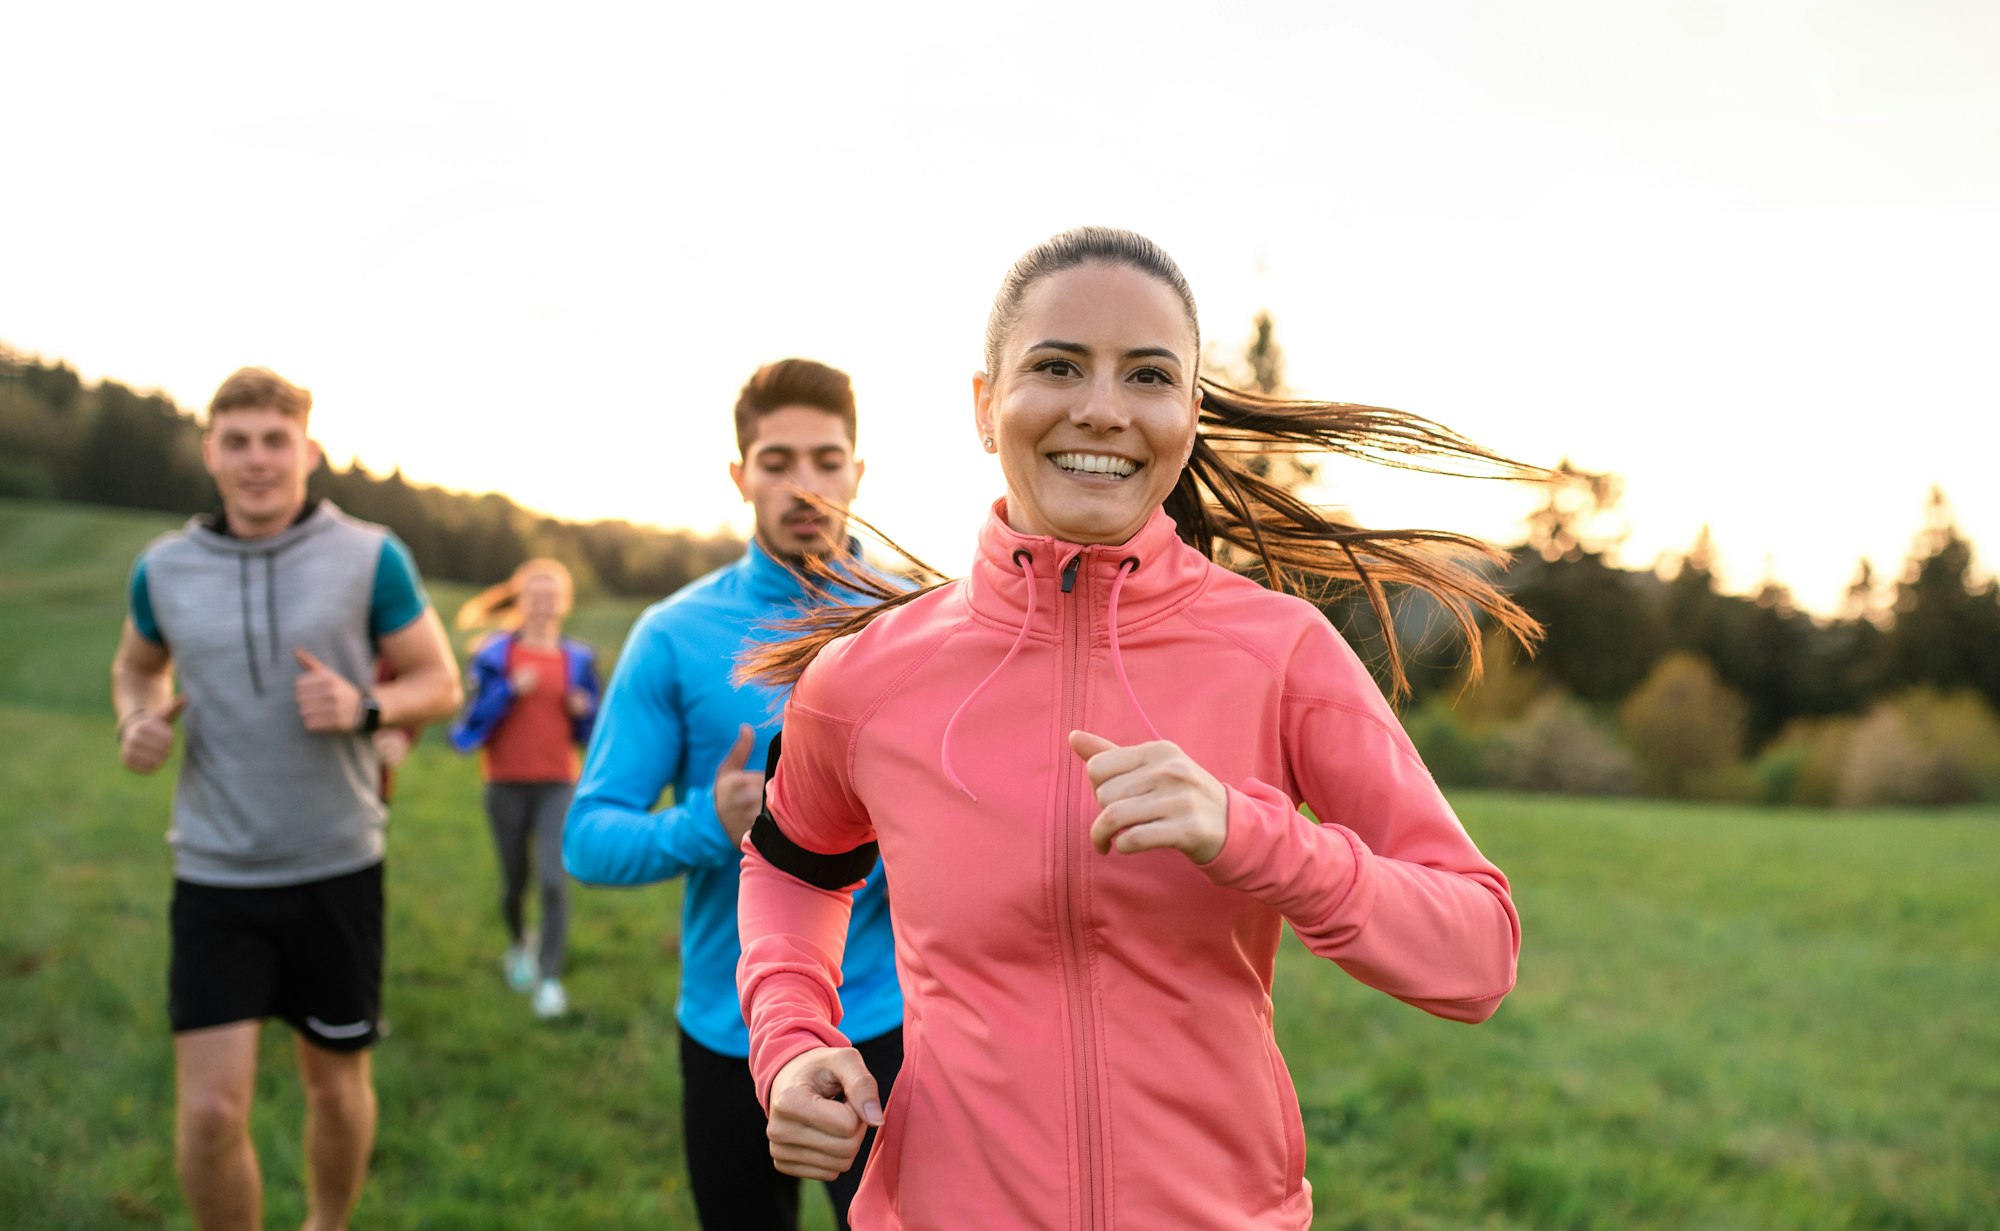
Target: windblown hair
(1223, 508)
(793, 382)
(500, 605)
(260, 389)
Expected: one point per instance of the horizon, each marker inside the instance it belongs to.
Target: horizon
(1603, 533)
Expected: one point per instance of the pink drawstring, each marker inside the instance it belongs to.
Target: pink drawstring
(1118, 659)
(1026, 562)
(1027, 565)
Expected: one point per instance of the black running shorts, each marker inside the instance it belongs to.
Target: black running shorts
(309, 954)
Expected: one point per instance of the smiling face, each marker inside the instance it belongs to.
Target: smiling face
(1092, 404)
(798, 448)
(260, 459)
(545, 597)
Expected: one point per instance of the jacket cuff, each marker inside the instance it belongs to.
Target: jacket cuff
(790, 1027)
(698, 835)
(1277, 855)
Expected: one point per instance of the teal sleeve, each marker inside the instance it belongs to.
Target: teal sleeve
(141, 601)
(399, 593)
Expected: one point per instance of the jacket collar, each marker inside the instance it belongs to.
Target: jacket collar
(1165, 574)
(771, 581)
(495, 646)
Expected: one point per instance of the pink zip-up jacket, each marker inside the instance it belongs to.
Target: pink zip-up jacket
(1088, 1037)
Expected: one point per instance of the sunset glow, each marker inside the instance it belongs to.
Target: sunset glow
(1745, 256)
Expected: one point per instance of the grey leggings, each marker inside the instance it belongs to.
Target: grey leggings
(520, 811)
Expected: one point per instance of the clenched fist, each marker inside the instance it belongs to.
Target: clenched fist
(1154, 797)
(145, 740)
(327, 702)
(823, 1102)
(739, 792)
(392, 744)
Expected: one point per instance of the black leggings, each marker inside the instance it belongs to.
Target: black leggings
(729, 1158)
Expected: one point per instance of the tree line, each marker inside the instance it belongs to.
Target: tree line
(1656, 681)
(64, 439)
(1649, 680)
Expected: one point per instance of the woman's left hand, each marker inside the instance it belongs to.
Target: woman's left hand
(1154, 796)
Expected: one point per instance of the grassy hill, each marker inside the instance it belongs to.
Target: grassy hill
(1727, 1018)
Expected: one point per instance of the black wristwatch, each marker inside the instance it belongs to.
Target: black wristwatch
(370, 718)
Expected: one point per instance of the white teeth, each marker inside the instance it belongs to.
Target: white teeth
(1095, 463)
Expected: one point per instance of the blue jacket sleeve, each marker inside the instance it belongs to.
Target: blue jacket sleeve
(613, 836)
(492, 697)
(583, 678)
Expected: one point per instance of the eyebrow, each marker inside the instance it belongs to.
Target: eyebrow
(1078, 348)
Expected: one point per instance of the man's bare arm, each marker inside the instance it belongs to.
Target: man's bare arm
(142, 692)
(425, 687)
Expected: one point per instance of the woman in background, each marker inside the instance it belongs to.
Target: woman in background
(530, 703)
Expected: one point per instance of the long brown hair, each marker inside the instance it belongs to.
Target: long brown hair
(1222, 507)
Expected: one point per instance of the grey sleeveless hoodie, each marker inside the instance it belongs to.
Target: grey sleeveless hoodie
(262, 801)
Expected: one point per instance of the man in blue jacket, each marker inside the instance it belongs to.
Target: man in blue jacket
(673, 718)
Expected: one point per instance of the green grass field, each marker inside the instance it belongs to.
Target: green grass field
(1727, 1018)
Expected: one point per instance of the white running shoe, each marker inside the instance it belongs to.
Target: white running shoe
(521, 967)
(550, 1000)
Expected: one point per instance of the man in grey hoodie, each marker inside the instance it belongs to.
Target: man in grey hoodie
(272, 615)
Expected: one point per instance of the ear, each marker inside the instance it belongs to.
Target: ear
(208, 450)
(736, 474)
(1194, 427)
(982, 405)
(860, 468)
(313, 455)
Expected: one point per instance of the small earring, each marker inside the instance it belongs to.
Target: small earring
(988, 442)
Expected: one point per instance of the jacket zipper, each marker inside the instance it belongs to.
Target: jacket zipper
(1075, 970)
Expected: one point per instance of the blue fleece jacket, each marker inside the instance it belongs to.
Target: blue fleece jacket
(668, 719)
(492, 695)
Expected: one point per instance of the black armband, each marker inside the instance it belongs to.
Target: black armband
(820, 871)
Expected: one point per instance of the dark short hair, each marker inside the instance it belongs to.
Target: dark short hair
(793, 382)
(260, 389)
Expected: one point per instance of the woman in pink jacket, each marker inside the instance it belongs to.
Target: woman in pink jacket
(1082, 766)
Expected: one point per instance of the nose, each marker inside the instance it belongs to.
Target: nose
(1101, 409)
(811, 478)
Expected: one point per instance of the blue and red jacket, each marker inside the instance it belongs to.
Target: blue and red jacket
(490, 697)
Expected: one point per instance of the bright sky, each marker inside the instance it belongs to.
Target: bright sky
(1745, 253)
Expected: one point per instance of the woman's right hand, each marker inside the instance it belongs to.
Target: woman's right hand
(822, 1104)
